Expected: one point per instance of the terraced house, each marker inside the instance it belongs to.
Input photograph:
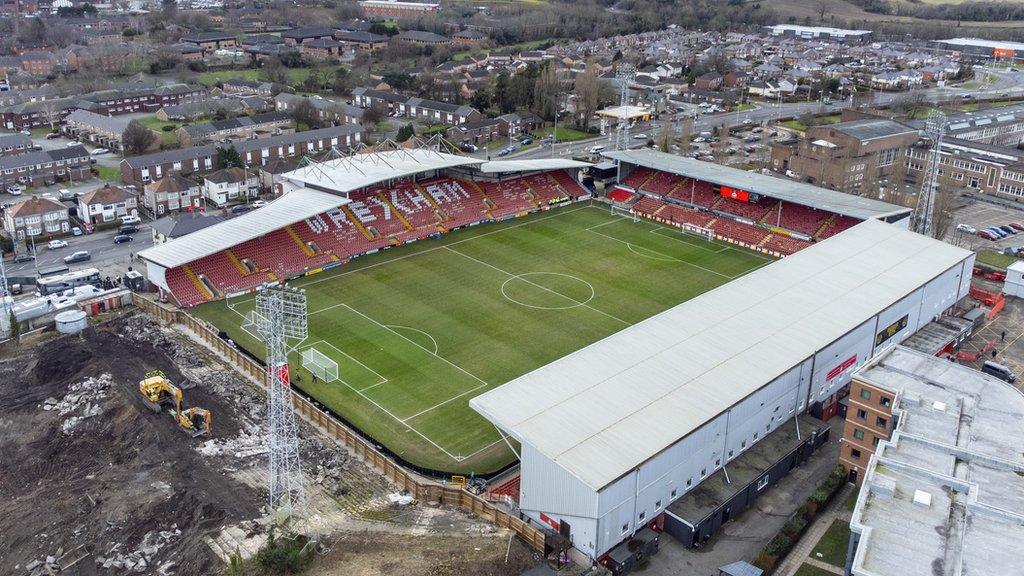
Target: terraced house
(45, 167)
(415, 107)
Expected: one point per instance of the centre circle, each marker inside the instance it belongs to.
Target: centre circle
(553, 285)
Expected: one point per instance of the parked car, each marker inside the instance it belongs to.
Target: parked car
(997, 232)
(967, 229)
(122, 238)
(986, 235)
(80, 256)
(640, 136)
(53, 135)
(23, 257)
(1008, 229)
(259, 203)
(241, 209)
(65, 194)
(99, 151)
(127, 229)
(596, 149)
(131, 220)
(1017, 226)
(72, 144)
(999, 371)
(55, 244)
(76, 231)
(14, 190)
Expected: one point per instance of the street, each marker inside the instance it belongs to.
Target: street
(111, 259)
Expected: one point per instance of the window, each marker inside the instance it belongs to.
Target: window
(657, 505)
(625, 528)
(854, 453)
(674, 492)
(861, 414)
(858, 434)
(881, 422)
(689, 482)
(886, 401)
(865, 393)
(874, 441)
(762, 483)
(703, 472)
(641, 517)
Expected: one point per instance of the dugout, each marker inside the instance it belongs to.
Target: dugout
(696, 517)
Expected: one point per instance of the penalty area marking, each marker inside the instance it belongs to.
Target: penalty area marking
(522, 277)
(432, 340)
(380, 378)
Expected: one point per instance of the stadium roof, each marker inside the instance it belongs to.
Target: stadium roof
(297, 205)
(779, 188)
(361, 170)
(498, 166)
(604, 410)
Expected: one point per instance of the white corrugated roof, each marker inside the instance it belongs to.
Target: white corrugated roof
(497, 166)
(361, 170)
(604, 410)
(778, 188)
(297, 205)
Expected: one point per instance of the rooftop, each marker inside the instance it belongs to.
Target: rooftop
(945, 496)
(343, 175)
(981, 43)
(778, 188)
(870, 129)
(604, 410)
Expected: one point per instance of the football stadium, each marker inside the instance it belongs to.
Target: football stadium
(434, 278)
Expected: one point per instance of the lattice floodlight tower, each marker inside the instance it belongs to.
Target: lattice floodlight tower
(624, 75)
(281, 319)
(924, 212)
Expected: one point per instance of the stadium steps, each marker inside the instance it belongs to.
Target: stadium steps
(238, 263)
(271, 277)
(394, 210)
(828, 223)
(358, 223)
(677, 187)
(765, 240)
(197, 282)
(302, 245)
(714, 205)
(774, 211)
(428, 197)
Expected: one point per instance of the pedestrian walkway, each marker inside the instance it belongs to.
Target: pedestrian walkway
(802, 551)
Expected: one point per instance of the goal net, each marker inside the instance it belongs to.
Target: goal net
(623, 212)
(707, 233)
(319, 365)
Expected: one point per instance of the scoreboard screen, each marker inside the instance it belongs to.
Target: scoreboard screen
(737, 194)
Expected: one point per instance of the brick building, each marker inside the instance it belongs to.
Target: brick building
(171, 194)
(36, 218)
(45, 167)
(106, 204)
(395, 9)
(211, 41)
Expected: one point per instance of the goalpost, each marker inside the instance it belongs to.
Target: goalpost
(624, 213)
(707, 233)
(319, 365)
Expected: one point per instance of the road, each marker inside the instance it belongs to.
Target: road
(1006, 84)
(111, 259)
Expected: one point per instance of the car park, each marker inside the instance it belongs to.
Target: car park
(80, 256)
(122, 238)
(56, 244)
(966, 229)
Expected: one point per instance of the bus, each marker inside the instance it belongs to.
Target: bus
(61, 282)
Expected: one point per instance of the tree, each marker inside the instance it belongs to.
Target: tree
(228, 157)
(912, 104)
(274, 71)
(15, 327)
(587, 94)
(481, 99)
(305, 114)
(665, 136)
(374, 114)
(137, 139)
(547, 93)
(405, 132)
(942, 217)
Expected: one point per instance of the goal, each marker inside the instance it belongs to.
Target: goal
(319, 365)
(707, 233)
(624, 212)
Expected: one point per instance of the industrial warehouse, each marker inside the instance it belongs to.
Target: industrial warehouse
(613, 434)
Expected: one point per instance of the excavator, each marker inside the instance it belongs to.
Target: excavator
(193, 421)
(157, 390)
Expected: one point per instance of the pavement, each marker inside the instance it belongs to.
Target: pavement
(801, 553)
(1009, 350)
(743, 537)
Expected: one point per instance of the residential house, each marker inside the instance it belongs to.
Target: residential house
(517, 123)
(479, 132)
(211, 41)
(171, 194)
(430, 111)
(329, 111)
(322, 49)
(200, 160)
(269, 174)
(240, 127)
(230, 185)
(189, 52)
(106, 204)
(45, 167)
(421, 38)
(709, 81)
(298, 36)
(105, 131)
(36, 218)
(362, 40)
(17, 143)
(254, 87)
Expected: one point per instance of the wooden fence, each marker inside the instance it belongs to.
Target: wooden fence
(423, 489)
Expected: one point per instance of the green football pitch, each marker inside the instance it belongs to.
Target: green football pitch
(418, 330)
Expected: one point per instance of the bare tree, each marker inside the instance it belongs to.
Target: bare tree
(943, 215)
(587, 93)
(305, 114)
(137, 139)
(665, 136)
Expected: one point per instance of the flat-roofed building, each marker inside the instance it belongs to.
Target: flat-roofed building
(944, 495)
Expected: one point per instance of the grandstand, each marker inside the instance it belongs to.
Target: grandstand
(330, 212)
(767, 214)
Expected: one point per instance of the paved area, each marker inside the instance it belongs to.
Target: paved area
(744, 536)
(983, 214)
(111, 259)
(1009, 350)
(802, 551)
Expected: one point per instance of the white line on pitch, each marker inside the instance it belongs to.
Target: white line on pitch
(656, 252)
(380, 377)
(439, 404)
(520, 277)
(682, 239)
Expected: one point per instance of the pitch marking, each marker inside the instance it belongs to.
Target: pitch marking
(659, 256)
(577, 303)
(715, 272)
(380, 378)
(416, 330)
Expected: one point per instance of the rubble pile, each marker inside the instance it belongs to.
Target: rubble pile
(142, 558)
(87, 395)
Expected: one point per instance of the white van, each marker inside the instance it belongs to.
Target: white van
(131, 220)
(596, 149)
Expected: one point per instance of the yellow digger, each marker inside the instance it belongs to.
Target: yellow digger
(193, 421)
(157, 390)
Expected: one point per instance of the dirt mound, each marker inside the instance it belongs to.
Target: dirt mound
(120, 487)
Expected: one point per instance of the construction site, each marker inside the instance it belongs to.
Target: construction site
(97, 481)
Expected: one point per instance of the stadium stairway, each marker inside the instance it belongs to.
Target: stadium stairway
(357, 223)
(825, 225)
(199, 285)
(302, 245)
(242, 269)
(570, 185)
